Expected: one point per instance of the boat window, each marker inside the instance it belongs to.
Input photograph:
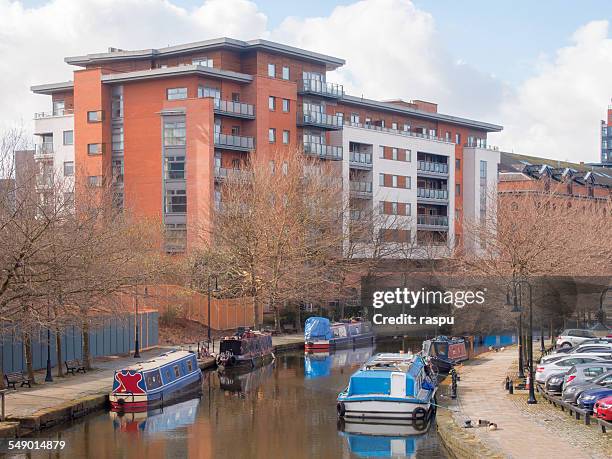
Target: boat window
(339, 332)
(190, 365)
(153, 380)
(177, 371)
(167, 374)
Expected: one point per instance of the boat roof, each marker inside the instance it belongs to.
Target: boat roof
(390, 362)
(159, 361)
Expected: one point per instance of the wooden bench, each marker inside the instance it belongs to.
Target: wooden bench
(17, 377)
(75, 366)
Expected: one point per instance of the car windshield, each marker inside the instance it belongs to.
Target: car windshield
(604, 379)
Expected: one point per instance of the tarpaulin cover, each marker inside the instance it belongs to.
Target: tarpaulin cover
(317, 328)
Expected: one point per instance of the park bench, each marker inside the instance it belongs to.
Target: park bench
(17, 377)
(75, 366)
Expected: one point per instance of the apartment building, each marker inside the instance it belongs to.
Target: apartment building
(164, 126)
(606, 139)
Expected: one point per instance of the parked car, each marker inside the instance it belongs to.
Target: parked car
(586, 372)
(554, 383)
(606, 355)
(544, 370)
(573, 337)
(573, 391)
(592, 345)
(588, 398)
(603, 409)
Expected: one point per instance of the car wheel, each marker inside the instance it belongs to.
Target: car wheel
(566, 345)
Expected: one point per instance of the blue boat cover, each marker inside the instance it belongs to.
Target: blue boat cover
(317, 328)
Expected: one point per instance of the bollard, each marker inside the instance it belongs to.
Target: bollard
(453, 384)
(507, 384)
(511, 388)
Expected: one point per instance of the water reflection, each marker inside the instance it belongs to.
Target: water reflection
(245, 382)
(164, 419)
(320, 364)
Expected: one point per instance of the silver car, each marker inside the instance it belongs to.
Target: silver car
(572, 392)
(605, 354)
(586, 372)
(544, 370)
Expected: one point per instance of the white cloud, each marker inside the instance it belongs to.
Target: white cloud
(556, 113)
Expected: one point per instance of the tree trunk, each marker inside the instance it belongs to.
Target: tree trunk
(86, 352)
(58, 345)
(277, 324)
(298, 318)
(255, 313)
(28, 356)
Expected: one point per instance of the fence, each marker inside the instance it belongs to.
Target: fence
(225, 314)
(114, 335)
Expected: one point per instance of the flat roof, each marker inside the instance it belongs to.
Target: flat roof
(216, 43)
(390, 107)
(174, 71)
(51, 88)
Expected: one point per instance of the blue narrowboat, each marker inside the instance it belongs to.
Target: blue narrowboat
(320, 335)
(155, 382)
(390, 386)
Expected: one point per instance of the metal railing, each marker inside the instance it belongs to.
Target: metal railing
(364, 159)
(432, 220)
(234, 108)
(361, 187)
(236, 141)
(224, 172)
(483, 146)
(323, 151)
(431, 193)
(321, 87)
(62, 112)
(44, 150)
(375, 127)
(320, 119)
(430, 166)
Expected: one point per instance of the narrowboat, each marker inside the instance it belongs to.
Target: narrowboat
(390, 386)
(155, 382)
(321, 336)
(158, 420)
(444, 353)
(245, 350)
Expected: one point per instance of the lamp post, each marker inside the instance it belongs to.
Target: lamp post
(49, 376)
(209, 292)
(531, 400)
(515, 308)
(137, 336)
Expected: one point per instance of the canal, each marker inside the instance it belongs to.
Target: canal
(284, 410)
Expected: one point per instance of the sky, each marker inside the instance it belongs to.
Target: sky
(541, 69)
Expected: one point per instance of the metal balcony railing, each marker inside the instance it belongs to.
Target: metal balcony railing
(431, 193)
(361, 187)
(435, 167)
(432, 220)
(234, 108)
(312, 118)
(321, 88)
(361, 159)
(61, 112)
(224, 172)
(323, 151)
(44, 150)
(237, 142)
(375, 127)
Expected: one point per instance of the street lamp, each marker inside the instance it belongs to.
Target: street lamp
(516, 309)
(531, 400)
(216, 289)
(49, 376)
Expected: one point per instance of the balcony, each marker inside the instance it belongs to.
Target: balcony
(434, 169)
(234, 142)
(360, 160)
(435, 222)
(320, 120)
(222, 173)
(321, 88)
(360, 189)
(323, 151)
(376, 127)
(44, 151)
(62, 112)
(235, 109)
(424, 194)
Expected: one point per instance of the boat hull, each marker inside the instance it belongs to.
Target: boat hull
(340, 343)
(126, 402)
(240, 365)
(385, 409)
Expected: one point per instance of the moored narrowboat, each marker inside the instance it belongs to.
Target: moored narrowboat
(320, 335)
(390, 386)
(245, 350)
(444, 353)
(155, 382)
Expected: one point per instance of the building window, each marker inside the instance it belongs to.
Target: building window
(272, 103)
(394, 181)
(175, 167)
(355, 118)
(406, 128)
(68, 137)
(205, 91)
(176, 201)
(285, 137)
(382, 152)
(272, 135)
(174, 133)
(272, 70)
(272, 166)
(458, 164)
(69, 199)
(94, 116)
(381, 179)
(408, 209)
(458, 189)
(202, 61)
(394, 126)
(117, 102)
(94, 180)
(285, 73)
(394, 208)
(68, 168)
(458, 139)
(483, 191)
(394, 154)
(94, 148)
(117, 138)
(118, 170)
(447, 136)
(58, 107)
(409, 155)
(176, 93)
(286, 105)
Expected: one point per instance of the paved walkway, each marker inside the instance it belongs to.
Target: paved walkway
(533, 431)
(25, 402)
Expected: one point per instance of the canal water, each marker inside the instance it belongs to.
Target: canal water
(286, 409)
